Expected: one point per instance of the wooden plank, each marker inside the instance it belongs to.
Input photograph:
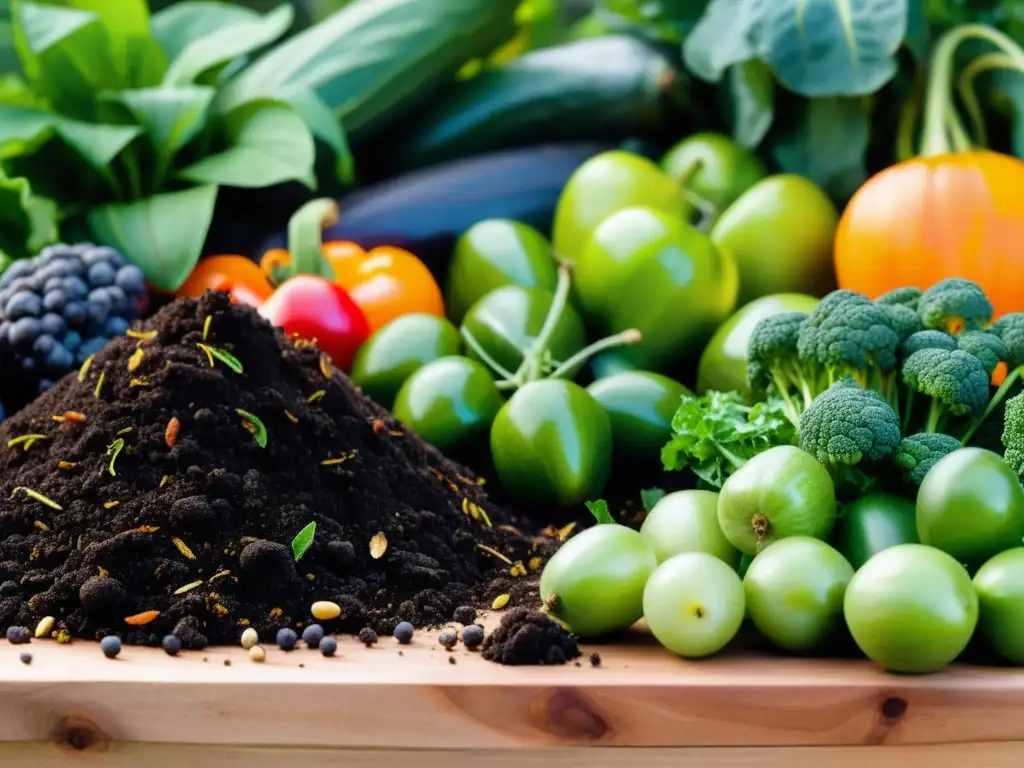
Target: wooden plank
(47, 755)
(640, 696)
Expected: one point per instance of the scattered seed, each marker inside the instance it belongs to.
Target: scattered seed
(66, 465)
(291, 417)
(378, 545)
(312, 635)
(250, 637)
(517, 570)
(135, 360)
(325, 610)
(163, 480)
(18, 635)
(367, 636)
(142, 335)
(38, 497)
(206, 326)
(141, 619)
(113, 451)
(111, 646)
(45, 626)
(325, 366)
(328, 646)
(404, 632)
(219, 575)
(41, 525)
(171, 645)
(26, 658)
(183, 548)
(171, 432)
(111, 504)
(494, 553)
(338, 460)
(142, 381)
(500, 602)
(99, 384)
(536, 563)
(473, 636)
(286, 639)
(145, 529)
(449, 639)
(25, 441)
(315, 396)
(595, 659)
(257, 654)
(125, 431)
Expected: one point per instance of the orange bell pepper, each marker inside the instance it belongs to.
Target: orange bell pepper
(237, 276)
(385, 282)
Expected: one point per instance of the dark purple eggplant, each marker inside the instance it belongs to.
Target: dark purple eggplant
(425, 211)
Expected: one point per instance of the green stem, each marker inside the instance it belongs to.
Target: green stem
(939, 114)
(729, 456)
(968, 94)
(957, 133)
(531, 367)
(477, 348)
(632, 336)
(909, 113)
(909, 411)
(934, 416)
(131, 168)
(305, 239)
(1011, 378)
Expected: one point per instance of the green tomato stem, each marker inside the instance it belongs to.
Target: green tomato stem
(968, 94)
(305, 239)
(1011, 378)
(632, 336)
(473, 344)
(532, 367)
(709, 212)
(909, 113)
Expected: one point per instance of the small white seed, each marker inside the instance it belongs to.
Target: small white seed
(249, 638)
(45, 626)
(257, 654)
(325, 610)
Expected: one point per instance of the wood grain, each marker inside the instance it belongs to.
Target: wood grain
(376, 698)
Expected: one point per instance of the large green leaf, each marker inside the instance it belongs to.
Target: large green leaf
(269, 144)
(27, 222)
(227, 43)
(815, 47)
(180, 24)
(163, 234)
(63, 52)
(24, 129)
(170, 116)
(325, 126)
(751, 101)
(826, 140)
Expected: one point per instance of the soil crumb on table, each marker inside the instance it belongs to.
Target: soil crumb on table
(159, 490)
(530, 637)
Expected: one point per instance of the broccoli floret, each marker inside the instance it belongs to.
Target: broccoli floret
(847, 424)
(1013, 433)
(955, 305)
(903, 320)
(955, 381)
(908, 296)
(919, 453)
(987, 347)
(772, 358)
(847, 335)
(1010, 328)
(927, 340)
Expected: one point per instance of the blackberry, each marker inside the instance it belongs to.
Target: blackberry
(60, 307)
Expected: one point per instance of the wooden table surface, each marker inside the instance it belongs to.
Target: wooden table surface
(376, 706)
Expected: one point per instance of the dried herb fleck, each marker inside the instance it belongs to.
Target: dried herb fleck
(183, 548)
(85, 367)
(38, 497)
(135, 360)
(25, 441)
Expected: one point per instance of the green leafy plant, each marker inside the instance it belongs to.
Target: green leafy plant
(116, 121)
(303, 541)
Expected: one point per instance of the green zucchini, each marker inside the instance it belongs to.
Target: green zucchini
(373, 61)
(600, 88)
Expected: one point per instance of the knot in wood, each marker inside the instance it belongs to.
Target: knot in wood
(80, 735)
(570, 716)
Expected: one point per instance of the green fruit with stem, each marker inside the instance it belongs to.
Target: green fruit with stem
(714, 167)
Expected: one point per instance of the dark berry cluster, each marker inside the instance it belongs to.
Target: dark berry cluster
(62, 306)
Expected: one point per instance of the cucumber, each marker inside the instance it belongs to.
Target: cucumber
(375, 60)
(426, 211)
(600, 88)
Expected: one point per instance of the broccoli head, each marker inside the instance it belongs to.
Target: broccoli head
(848, 334)
(847, 424)
(1013, 433)
(987, 347)
(927, 340)
(908, 296)
(919, 453)
(956, 381)
(903, 320)
(954, 305)
(772, 356)
(1010, 328)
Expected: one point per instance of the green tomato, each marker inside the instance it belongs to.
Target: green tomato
(693, 604)
(398, 349)
(607, 183)
(794, 591)
(598, 578)
(508, 320)
(450, 402)
(640, 405)
(873, 523)
(911, 608)
(723, 364)
(971, 505)
(551, 444)
(687, 521)
(726, 169)
(780, 232)
(493, 253)
(650, 270)
(999, 584)
(610, 363)
(781, 492)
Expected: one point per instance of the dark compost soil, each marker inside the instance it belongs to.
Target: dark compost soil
(201, 531)
(526, 636)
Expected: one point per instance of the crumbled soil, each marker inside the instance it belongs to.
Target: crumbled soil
(530, 637)
(201, 530)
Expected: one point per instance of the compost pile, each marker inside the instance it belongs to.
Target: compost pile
(526, 637)
(140, 484)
